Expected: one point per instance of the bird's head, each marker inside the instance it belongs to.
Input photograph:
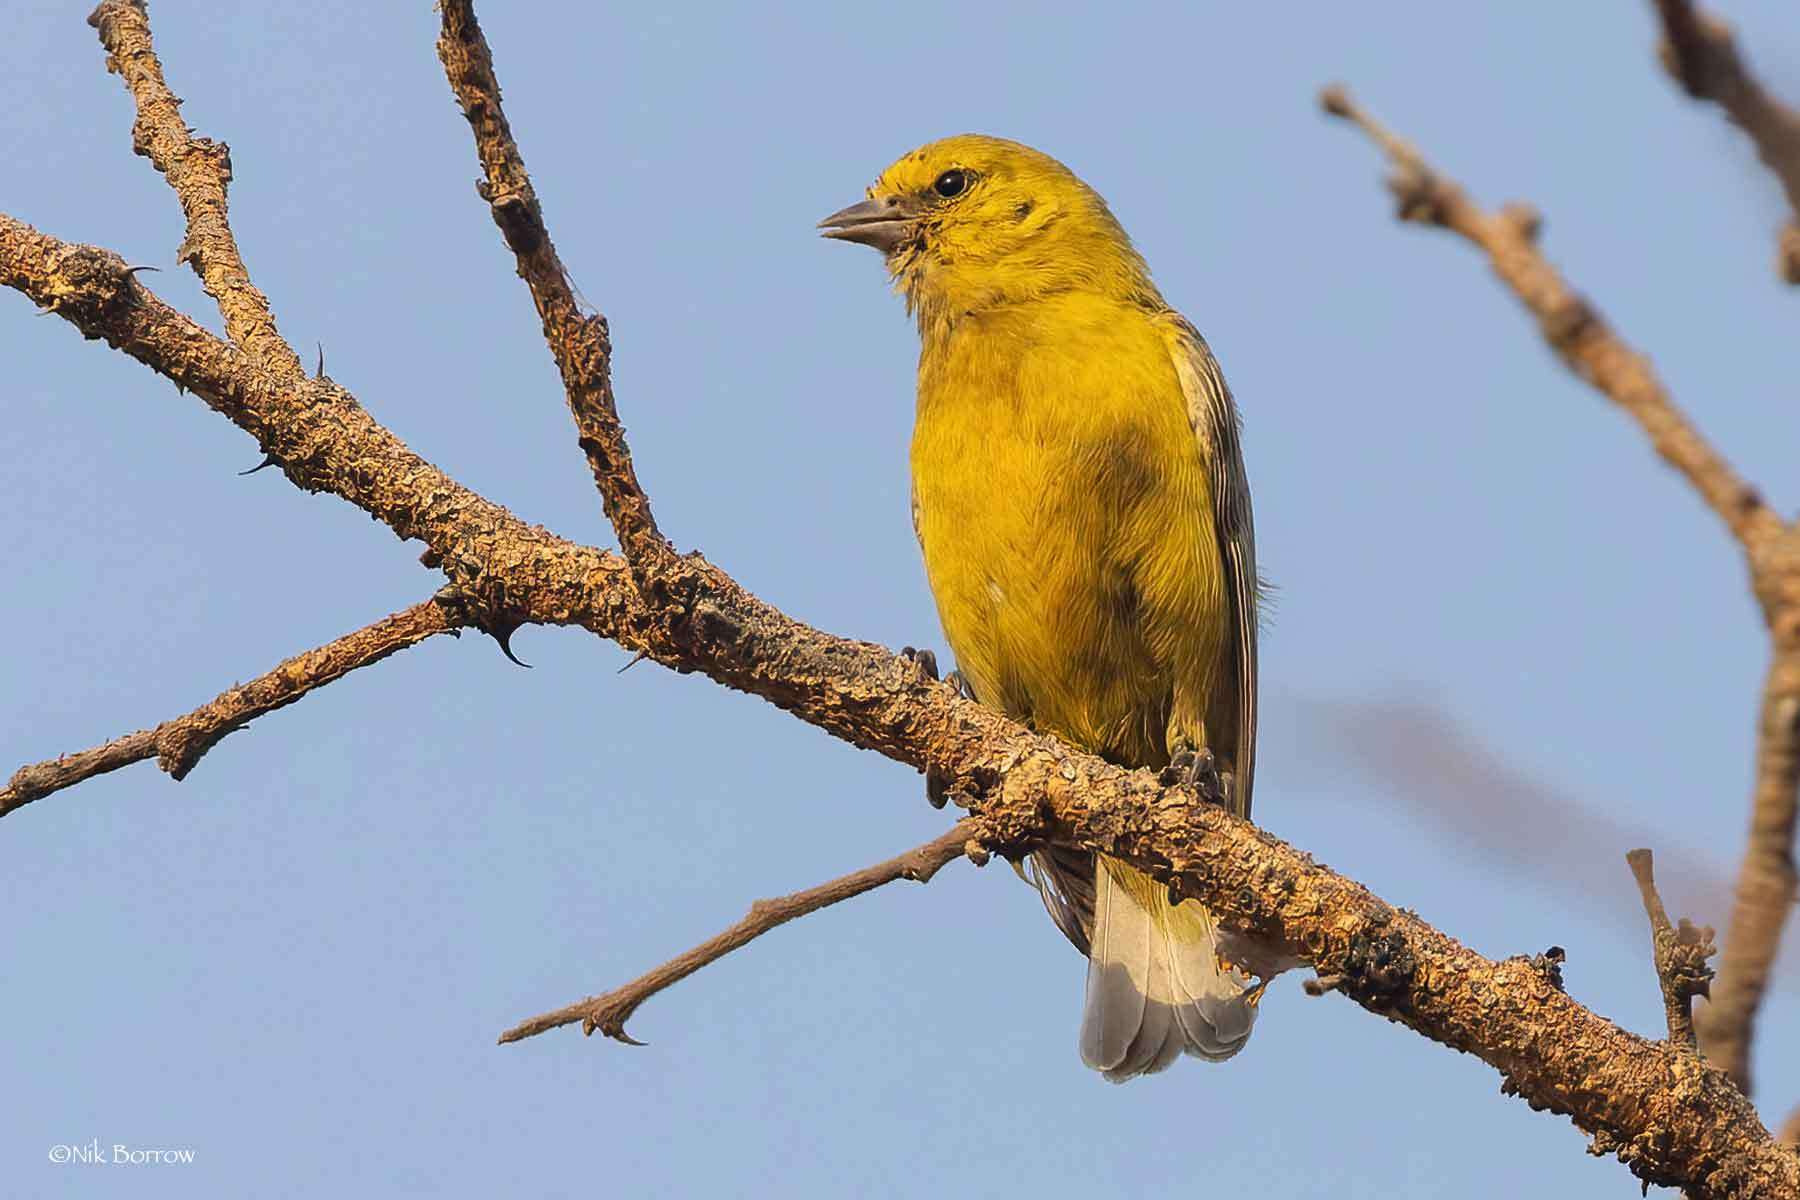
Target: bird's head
(969, 223)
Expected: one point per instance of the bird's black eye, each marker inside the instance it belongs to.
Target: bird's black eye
(951, 183)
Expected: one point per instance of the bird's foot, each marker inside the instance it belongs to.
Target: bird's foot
(1195, 767)
(937, 787)
(924, 660)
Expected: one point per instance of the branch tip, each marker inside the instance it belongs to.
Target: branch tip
(1679, 952)
(179, 744)
(578, 342)
(609, 1012)
(199, 171)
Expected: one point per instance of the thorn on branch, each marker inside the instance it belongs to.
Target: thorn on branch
(502, 635)
(610, 1018)
(492, 618)
(1679, 952)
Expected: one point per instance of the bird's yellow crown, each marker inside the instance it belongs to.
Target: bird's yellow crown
(993, 222)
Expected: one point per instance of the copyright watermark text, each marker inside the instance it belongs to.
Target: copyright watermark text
(92, 1153)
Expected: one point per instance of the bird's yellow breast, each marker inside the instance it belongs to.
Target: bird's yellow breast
(1063, 509)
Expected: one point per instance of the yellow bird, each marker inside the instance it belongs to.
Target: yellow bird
(1080, 499)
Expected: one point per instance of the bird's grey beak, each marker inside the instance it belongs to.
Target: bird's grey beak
(883, 224)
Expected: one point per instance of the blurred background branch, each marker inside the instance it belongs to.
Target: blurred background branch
(1699, 52)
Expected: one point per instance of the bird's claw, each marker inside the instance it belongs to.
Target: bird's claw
(937, 787)
(924, 660)
(960, 682)
(1197, 768)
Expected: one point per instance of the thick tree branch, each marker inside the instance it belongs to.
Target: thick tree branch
(1679, 953)
(1578, 333)
(579, 343)
(609, 1012)
(1699, 52)
(179, 744)
(199, 169)
(1674, 1119)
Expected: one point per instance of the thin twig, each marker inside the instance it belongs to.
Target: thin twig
(199, 169)
(1699, 52)
(1679, 952)
(179, 744)
(608, 1013)
(1574, 329)
(578, 341)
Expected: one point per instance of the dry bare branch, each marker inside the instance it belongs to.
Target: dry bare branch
(1699, 52)
(1577, 332)
(579, 342)
(1573, 328)
(1674, 1119)
(179, 744)
(199, 169)
(1678, 951)
(608, 1013)
(1766, 881)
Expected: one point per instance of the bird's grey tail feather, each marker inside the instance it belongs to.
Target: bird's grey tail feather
(1155, 986)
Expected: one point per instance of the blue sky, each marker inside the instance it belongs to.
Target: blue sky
(1509, 644)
